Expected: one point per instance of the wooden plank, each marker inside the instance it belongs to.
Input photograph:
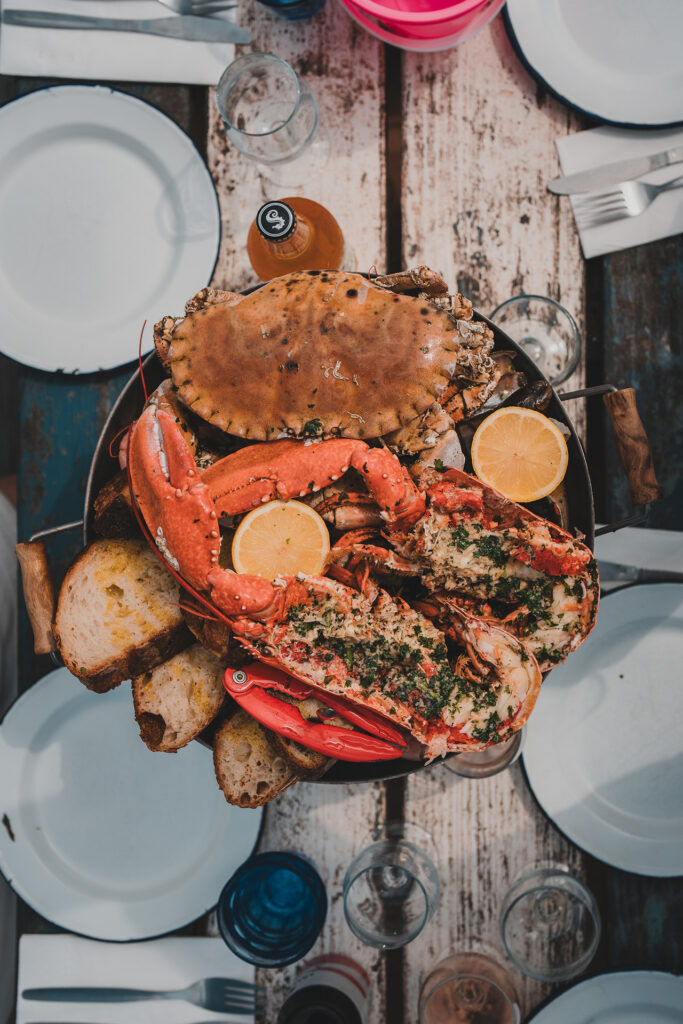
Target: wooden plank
(478, 151)
(329, 825)
(345, 69)
(641, 331)
(487, 831)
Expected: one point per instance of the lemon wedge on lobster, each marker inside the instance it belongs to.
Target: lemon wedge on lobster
(520, 452)
(281, 538)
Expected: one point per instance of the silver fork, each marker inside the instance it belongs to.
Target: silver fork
(220, 995)
(629, 199)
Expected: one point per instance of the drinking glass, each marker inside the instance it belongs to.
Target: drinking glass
(272, 910)
(271, 116)
(544, 330)
(550, 924)
(391, 888)
(469, 987)
(482, 763)
(294, 10)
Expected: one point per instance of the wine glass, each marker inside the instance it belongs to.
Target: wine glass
(272, 909)
(391, 888)
(545, 330)
(468, 987)
(480, 764)
(550, 924)
(271, 116)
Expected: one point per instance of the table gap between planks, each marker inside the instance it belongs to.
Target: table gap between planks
(446, 155)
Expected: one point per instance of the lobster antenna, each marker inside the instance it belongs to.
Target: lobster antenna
(142, 372)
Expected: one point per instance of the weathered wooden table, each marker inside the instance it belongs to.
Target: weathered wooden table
(443, 159)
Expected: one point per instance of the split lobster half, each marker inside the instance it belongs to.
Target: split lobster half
(431, 670)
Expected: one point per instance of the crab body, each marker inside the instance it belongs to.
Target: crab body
(324, 353)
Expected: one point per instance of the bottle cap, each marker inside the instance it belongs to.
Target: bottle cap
(276, 221)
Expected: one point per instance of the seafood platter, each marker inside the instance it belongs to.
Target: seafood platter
(439, 603)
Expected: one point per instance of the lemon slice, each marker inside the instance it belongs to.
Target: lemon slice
(520, 452)
(281, 538)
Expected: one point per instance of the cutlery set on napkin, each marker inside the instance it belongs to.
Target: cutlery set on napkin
(123, 40)
(63, 978)
(622, 186)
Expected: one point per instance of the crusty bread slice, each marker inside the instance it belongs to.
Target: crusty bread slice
(114, 516)
(308, 764)
(248, 766)
(176, 700)
(117, 614)
(215, 635)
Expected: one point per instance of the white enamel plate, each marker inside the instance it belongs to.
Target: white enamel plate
(100, 835)
(616, 60)
(108, 218)
(624, 997)
(604, 745)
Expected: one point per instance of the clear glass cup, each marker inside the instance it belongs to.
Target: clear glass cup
(272, 909)
(469, 987)
(550, 924)
(480, 764)
(545, 330)
(391, 888)
(294, 10)
(271, 116)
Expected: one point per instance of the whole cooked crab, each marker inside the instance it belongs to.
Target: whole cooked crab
(325, 353)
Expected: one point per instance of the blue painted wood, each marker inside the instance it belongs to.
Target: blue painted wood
(642, 345)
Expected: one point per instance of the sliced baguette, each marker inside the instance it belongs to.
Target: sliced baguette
(117, 614)
(216, 636)
(176, 700)
(249, 768)
(114, 516)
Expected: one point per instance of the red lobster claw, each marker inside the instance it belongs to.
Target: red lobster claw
(249, 686)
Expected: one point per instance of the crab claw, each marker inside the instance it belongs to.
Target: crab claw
(175, 505)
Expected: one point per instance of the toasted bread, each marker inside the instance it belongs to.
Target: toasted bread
(176, 700)
(216, 636)
(308, 764)
(249, 768)
(114, 516)
(117, 614)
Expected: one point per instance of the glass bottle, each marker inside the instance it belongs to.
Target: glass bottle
(331, 989)
(294, 234)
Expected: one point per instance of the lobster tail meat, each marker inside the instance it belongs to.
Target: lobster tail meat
(504, 564)
(455, 691)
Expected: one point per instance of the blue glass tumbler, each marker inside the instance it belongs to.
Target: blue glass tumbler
(272, 910)
(294, 10)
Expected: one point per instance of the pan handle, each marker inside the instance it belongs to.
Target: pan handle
(37, 585)
(633, 446)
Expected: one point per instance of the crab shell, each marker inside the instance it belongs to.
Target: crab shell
(321, 353)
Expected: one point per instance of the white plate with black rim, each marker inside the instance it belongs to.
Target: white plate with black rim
(108, 217)
(617, 61)
(621, 997)
(99, 834)
(604, 746)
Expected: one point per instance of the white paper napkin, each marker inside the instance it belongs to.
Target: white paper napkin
(49, 960)
(109, 56)
(599, 146)
(660, 550)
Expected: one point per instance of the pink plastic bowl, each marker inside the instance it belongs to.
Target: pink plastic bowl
(404, 19)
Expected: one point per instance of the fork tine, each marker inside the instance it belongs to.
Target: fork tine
(598, 200)
(604, 218)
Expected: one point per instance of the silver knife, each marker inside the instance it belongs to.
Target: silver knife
(199, 29)
(613, 572)
(613, 174)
